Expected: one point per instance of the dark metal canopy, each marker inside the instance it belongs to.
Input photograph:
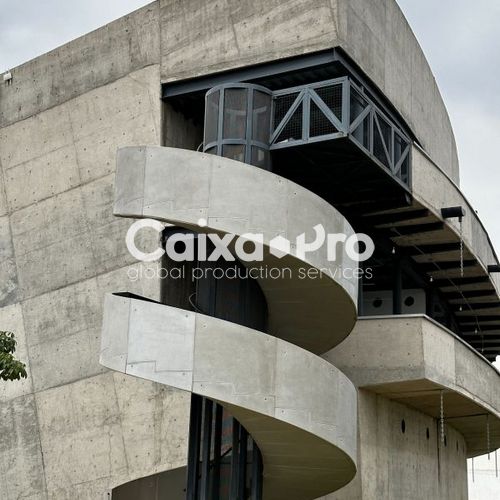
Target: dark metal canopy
(334, 132)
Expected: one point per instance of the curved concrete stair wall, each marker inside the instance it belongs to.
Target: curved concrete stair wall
(181, 187)
(299, 408)
(286, 397)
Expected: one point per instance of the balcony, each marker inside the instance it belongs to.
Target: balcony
(335, 109)
(452, 257)
(414, 360)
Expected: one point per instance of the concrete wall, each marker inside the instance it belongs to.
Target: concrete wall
(102, 56)
(190, 38)
(410, 359)
(200, 38)
(73, 429)
(394, 465)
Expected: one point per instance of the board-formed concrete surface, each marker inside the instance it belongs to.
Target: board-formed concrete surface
(94, 60)
(409, 465)
(373, 33)
(72, 428)
(303, 419)
(179, 36)
(181, 187)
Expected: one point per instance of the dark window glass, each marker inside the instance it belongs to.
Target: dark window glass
(224, 462)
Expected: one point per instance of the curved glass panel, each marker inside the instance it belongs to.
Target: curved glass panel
(261, 117)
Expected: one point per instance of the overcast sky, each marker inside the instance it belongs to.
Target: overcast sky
(460, 38)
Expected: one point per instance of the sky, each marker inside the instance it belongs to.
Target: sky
(461, 40)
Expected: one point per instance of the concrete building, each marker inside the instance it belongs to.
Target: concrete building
(269, 117)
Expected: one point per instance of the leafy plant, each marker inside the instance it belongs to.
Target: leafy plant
(10, 367)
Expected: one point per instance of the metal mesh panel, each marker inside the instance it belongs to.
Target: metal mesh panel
(380, 140)
(260, 157)
(404, 172)
(386, 130)
(235, 113)
(357, 103)
(281, 105)
(293, 128)
(251, 113)
(238, 117)
(332, 97)
(319, 124)
(378, 147)
(261, 117)
(234, 151)
(211, 117)
(362, 132)
(400, 145)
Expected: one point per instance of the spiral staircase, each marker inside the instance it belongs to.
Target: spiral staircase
(299, 409)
